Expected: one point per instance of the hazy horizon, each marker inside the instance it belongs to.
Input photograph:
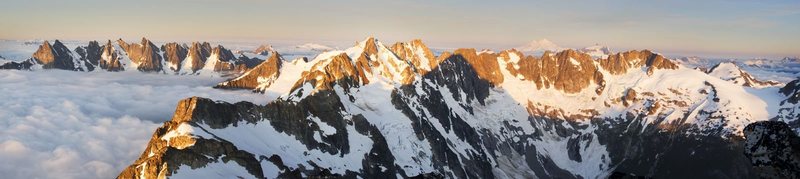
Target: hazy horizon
(721, 29)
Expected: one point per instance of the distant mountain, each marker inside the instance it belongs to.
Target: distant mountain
(691, 61)
(540, 46)
(378, 111)
(729, 71)
(12, 65)
(170, 58)
(791, 60)
(313, 47)
(597, 51)
(264, 50)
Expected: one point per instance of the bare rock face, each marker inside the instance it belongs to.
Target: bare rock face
(197, 56)
(56, 56)
(484, 64)
(110, 59)
(576, 71)
(773, 149)
(259, 77)
(145, 55)
(417, 53)
(629, 97)
(620, 63)
(572, 71)
(569, 70)
(174, 54)
(339, 70)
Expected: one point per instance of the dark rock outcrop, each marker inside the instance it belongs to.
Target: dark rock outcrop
(773, 149)
(789, 111)
(90, 55)
(24, 65)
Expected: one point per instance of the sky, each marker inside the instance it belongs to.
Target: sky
(718, 28)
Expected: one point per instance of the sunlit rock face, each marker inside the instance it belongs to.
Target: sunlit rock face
(145, 55)
(56, 56)
(261, 76)
(174, 54)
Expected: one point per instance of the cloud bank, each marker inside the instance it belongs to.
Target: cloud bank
(62, 124)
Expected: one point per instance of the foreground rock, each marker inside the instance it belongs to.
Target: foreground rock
(773, 149)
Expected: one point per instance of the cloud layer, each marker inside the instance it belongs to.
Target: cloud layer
(62, 124)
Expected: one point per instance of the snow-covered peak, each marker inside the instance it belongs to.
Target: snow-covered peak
(576, 114)
(597, 51)
(729, 71)
(264, 50)
(791, 60)
(540, 46)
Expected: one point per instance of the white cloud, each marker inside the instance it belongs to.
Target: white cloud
(61, 124)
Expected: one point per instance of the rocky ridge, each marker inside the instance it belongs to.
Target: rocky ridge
(260, 77)
(171, 58)
(56, 56)
(372, 111)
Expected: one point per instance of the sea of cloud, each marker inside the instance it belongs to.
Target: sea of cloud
(63, 124)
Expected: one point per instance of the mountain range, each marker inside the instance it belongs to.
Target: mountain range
(397, 111)
(170, 58)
